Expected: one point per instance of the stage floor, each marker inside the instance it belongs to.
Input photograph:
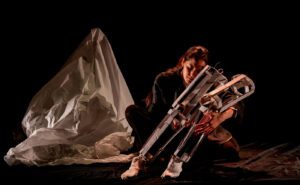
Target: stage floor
(262, 163)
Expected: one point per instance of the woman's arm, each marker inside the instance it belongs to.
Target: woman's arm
(215, 120)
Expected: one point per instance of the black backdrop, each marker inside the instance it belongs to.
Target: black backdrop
(257, 40)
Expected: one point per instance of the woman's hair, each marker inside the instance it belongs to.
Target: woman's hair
(194, 52)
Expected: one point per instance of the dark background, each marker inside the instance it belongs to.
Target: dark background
(261, 41)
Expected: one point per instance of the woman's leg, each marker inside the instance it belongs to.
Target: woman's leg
(232, 144)
(231, 150)
(141, 124)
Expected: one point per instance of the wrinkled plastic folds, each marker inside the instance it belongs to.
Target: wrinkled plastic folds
(79, 115)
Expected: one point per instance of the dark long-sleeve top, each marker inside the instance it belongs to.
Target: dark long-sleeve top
(166, 89)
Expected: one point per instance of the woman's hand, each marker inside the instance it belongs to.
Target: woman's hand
(175, 124)
(211, 120)
(204, 125)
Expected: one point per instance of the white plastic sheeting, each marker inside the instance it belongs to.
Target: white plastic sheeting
(79, 115)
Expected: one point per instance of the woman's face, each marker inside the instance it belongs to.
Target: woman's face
(190, 70)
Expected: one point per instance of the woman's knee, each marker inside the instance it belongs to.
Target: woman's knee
(130, 111)
(232, 144)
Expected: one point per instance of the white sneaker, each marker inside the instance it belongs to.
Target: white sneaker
(137, 164)
(174, 168)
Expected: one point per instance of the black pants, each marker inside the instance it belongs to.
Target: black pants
(141, 124)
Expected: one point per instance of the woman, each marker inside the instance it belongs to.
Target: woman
(167, 87)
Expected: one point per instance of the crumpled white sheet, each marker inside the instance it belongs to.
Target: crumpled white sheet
(79, 115)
